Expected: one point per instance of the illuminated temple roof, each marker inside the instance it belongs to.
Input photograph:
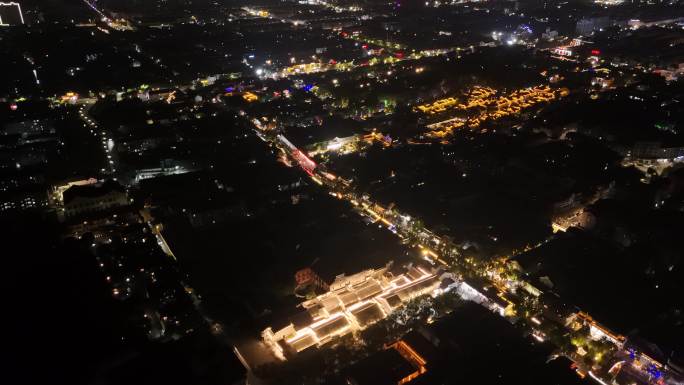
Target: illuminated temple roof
(353, 303)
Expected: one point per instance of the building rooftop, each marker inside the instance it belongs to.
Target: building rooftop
(386, 367)
(92, 191)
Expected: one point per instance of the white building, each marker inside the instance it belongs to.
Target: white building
(353, 303)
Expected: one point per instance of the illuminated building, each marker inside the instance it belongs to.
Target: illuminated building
(348, 144)
(480, 104)
(89, 198)
(598, 331)
(398, 364)
(413, 357)
(250, 97)
(10, 14)
(352, 303)
(562, 51)
(166, 168)
(307, 278)
(56, 195)
(671, 73)
(482, 294)
(68, 98)
(339, 145)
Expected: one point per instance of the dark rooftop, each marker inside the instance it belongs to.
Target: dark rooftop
(92, 191)
(386, 367)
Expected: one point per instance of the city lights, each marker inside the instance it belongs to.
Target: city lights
(385, 192)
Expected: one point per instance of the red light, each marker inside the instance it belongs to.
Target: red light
(595, 52)
(333, 61)
(399, 55)
(365, 46)
(13, 106)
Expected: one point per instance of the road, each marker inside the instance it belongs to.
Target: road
(106, 140)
